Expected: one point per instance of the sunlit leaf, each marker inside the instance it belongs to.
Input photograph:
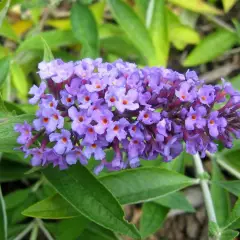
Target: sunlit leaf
(234, 217)
(228, 4)
(136, 31)
(19, 80)
(85, 30)
(4, 5)
(229, 235)
(22, 26)
(6, 30)
(98, 11)
(48, 56)
(206, 50)
(197, 6)
(4, 66)
(62, 24)
(159, 31)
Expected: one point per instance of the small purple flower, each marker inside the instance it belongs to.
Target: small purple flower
(25, 131)
(117, 129)
(63, 72)
(85, 98)
(136, 131)
(111, 96)
(48, 102)
(90, 134)
(80, 120)
(126, 101)
(66, 98)
(74, 155)
(64, 143)
(38, 156)
(95, 149)
(103, 120)
(50, 119)
(206, 94)
(48, 69)
(97, 84)
(195, 118)
(84, 68)
(148, 116)
(74, 87)
(186, 93)
(216, 124)
(162, 128)
(37, 92)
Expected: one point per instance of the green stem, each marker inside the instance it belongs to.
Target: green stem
(205, 189)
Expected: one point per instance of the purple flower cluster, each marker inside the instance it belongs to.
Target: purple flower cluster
(88, 106)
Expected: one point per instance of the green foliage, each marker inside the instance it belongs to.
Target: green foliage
(3, 218)
(152, 218)
(90, 198)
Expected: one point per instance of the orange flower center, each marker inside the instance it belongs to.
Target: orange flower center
(45, 120)
(90, 130)
(146, 115)
(203, 98)
(105, 121)
(98, 86)
(183, 97)
(87, 98)
(94, 145)
(69, 99)
(55, 116)
(116, 128)
(125, 102)
(135, 141)
(212, 122)
(51, 104)
(80, 119)
(64, 140)
(134, 128)
(194, 117)
(112, 99)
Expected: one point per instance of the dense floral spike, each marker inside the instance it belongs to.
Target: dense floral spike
(88, 106)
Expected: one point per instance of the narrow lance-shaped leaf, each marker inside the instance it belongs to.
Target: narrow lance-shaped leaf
(220, 196)
(4, 5)
(152, 218)
(134, 28)
(85, 30)
(48, 56)
(90, 198)
(159, 31)
(206, 50)
(4, 66)
(228, 4)
(234, 216)
(231, 186)
(3, 218)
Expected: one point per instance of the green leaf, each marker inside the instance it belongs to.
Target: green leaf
(54, 207)
(19, 80)
(159, 32)
(229, 235)
(7, 31)
(90, 198)
(175, 200)
(228, 4)
(234, 216)
(236, 82)
(3, 218)
(135, 31)
(4, 66)
(7, 134)
(231, 186)
(98, 11)
(144, 184)
(152, 218)
(85, 30)
(229, 161)
(213, 229)
(4, 5)
(141, 7)
(196, 6)
(220, 196)
(61, 38)
(48, 56)
(95, 232)
(206, 50)
(16, 198)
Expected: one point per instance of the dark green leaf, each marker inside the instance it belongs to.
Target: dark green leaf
(231, 186)
(4, 66)
(152, 218)
(141, 7)
(136, 31)
(16, 198)
(61, 38)
(213, 229)
(3, 218)
(234, 216)
(85, 30)
(175, 200)
(90, 198)
(220, 196)
(206, 50)
(95, 232)
(159, 32)
(48, 56)
(144, 184)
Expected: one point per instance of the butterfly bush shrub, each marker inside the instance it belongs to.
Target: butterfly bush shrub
(88, 106)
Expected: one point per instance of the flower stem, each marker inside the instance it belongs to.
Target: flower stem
(205, 189)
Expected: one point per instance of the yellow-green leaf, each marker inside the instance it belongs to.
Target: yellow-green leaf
(197, 6)
(228, 4)
(212, 46)
(98, 11)
(19, 80)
